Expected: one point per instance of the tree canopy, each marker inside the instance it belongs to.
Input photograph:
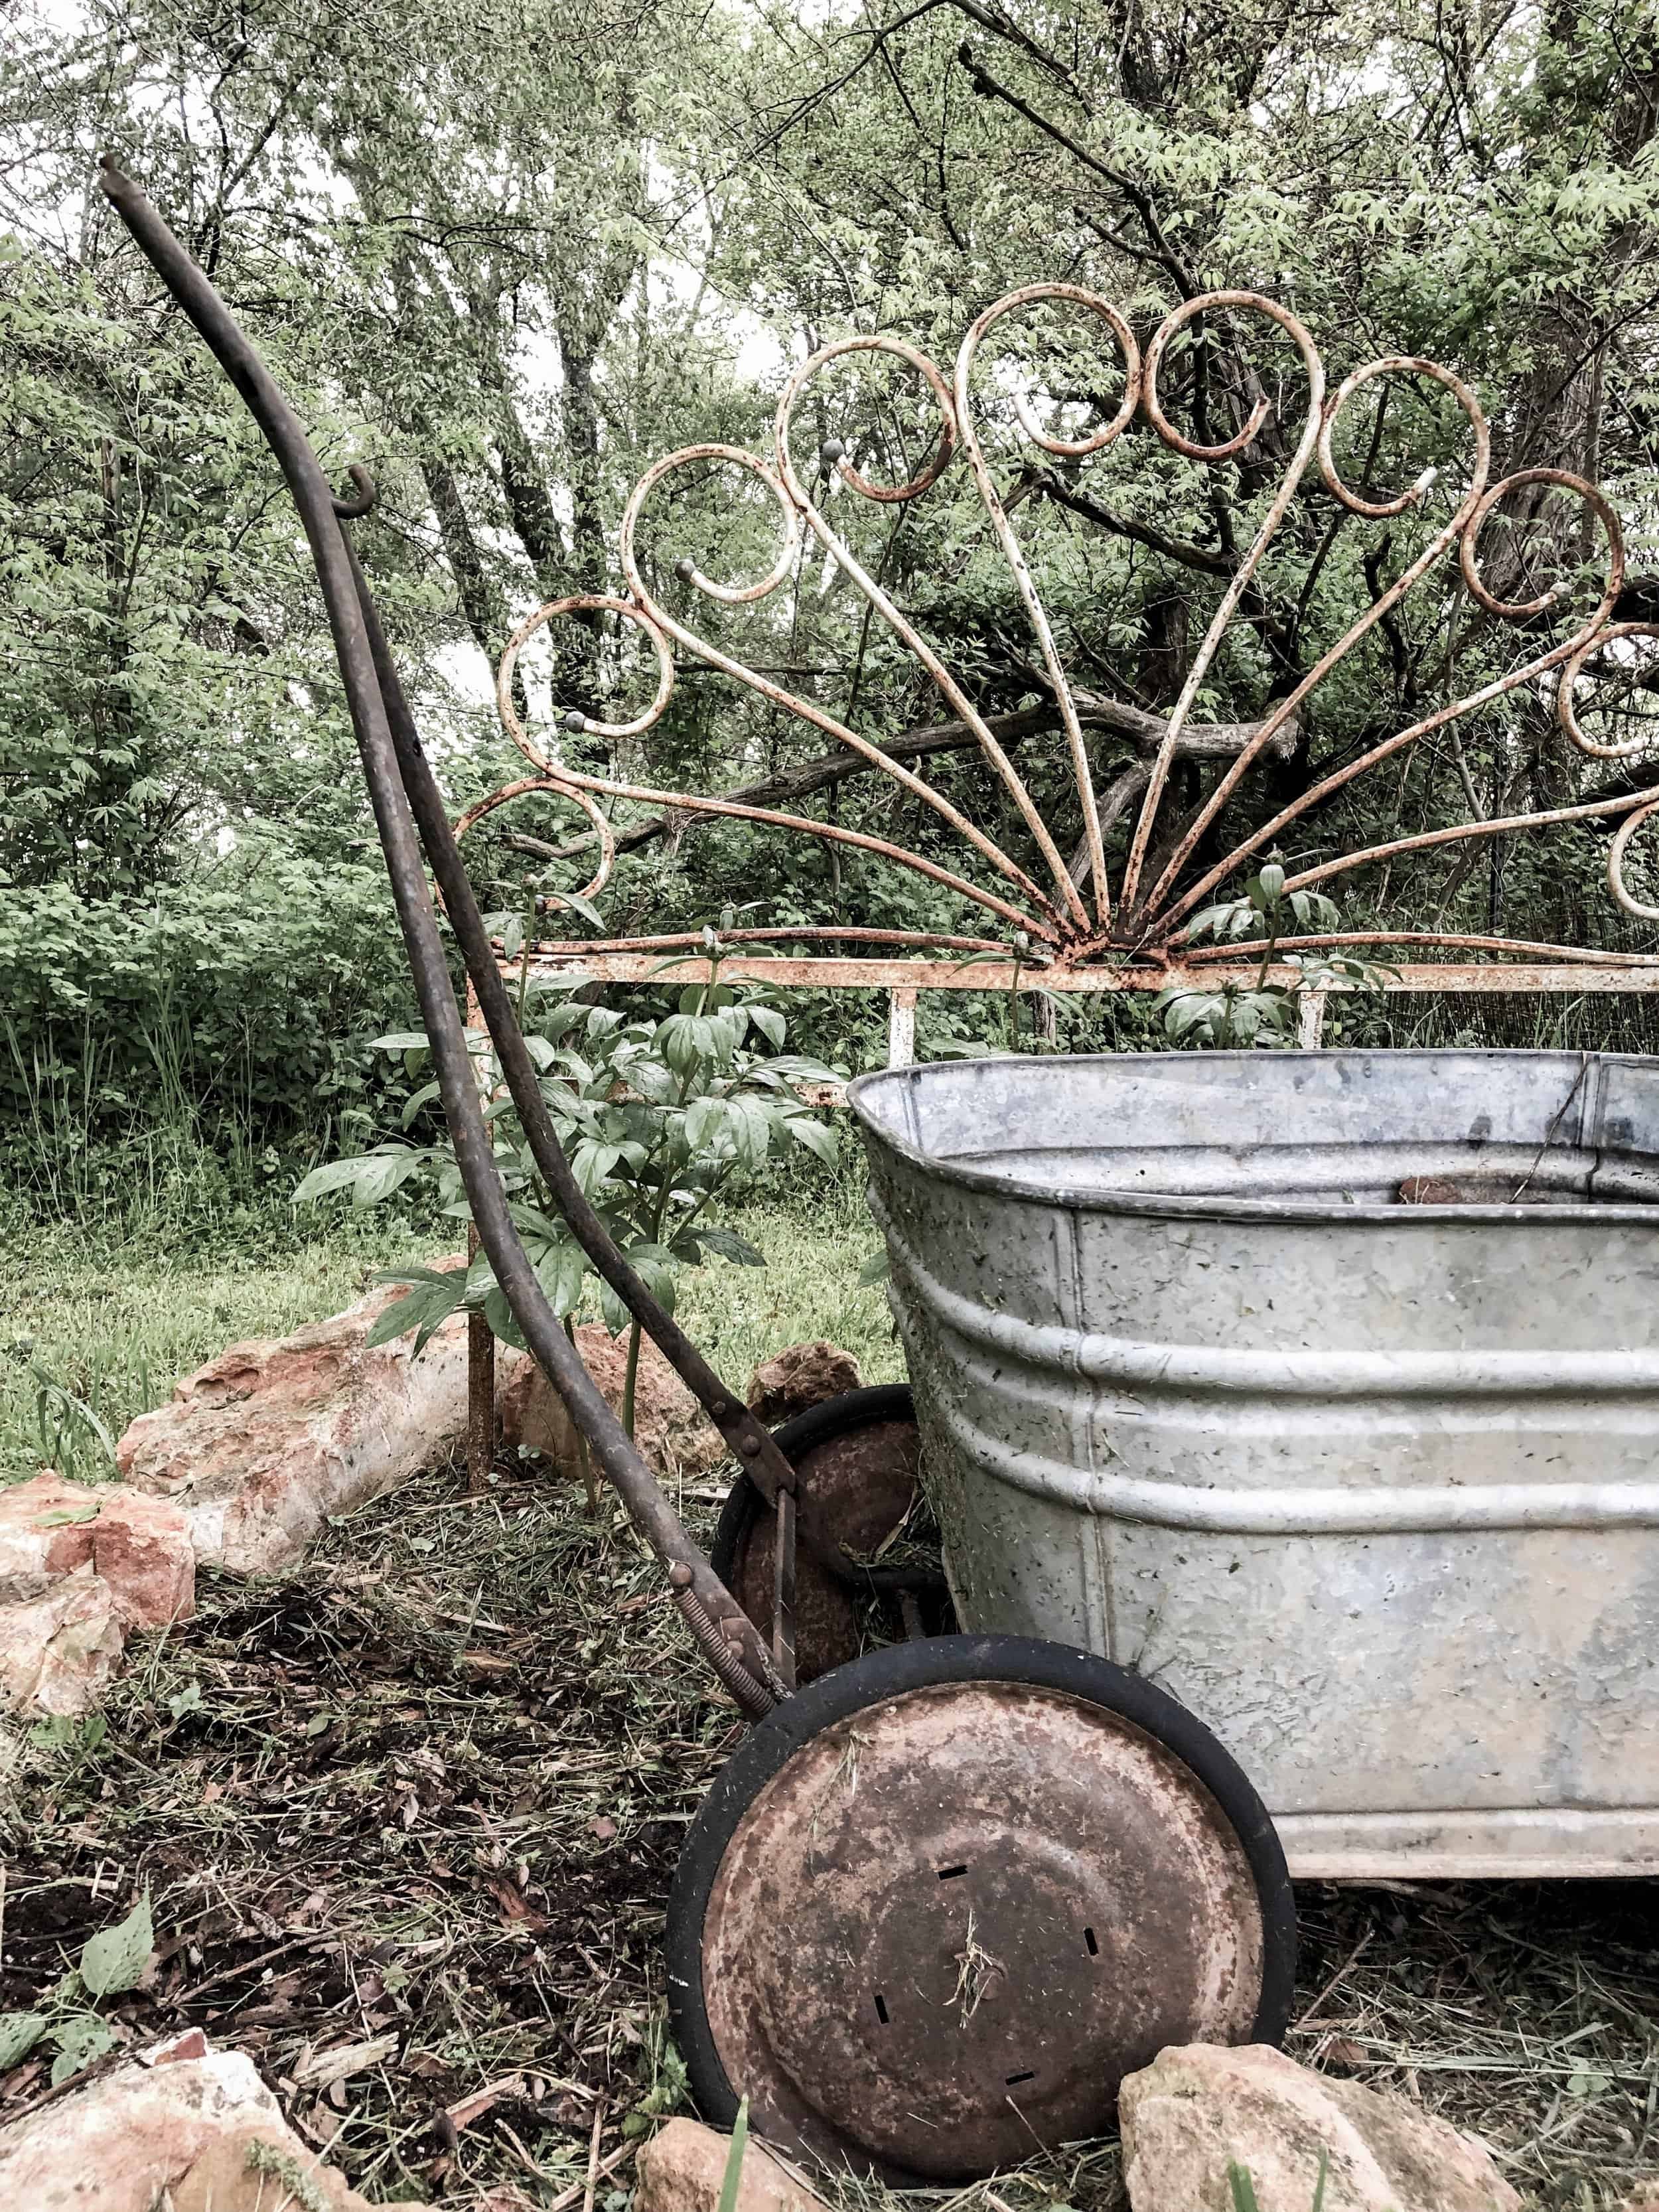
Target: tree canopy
(508, 256)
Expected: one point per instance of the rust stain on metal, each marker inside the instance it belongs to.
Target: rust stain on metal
(1563, 971)
(1145, 924)
(1023, 1899)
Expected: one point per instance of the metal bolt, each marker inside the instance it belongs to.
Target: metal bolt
(575, 723)
(679, 1575)
(731, 1629)
(749, 1446)
(831, 452)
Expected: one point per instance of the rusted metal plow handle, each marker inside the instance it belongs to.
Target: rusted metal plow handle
(410, 815)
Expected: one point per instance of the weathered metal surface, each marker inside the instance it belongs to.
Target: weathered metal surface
(1607, 972)
(1000, 1899)
(1371, 1484)
(860, 1486)
(415, 833)
(1075, 914)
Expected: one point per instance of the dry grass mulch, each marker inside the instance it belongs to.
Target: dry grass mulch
(407, 1818)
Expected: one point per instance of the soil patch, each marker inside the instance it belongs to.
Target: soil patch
(408, 1816)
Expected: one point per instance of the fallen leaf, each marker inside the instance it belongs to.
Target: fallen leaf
(516, 1908)
(605, 1830)
(474, 2107)
(320, 2070)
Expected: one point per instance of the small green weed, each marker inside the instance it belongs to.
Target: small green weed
(111, 1963)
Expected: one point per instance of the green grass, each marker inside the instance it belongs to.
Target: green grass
(114, 1320)
(117, 1321)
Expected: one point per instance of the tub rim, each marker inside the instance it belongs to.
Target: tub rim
(1173, 1205)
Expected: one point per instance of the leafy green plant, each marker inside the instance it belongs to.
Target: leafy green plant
(1262, 1013)
(112, 1962)
(661, 1118)
(73, 1436)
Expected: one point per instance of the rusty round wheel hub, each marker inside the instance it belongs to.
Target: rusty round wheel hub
(947, 1925)
(858, 1484)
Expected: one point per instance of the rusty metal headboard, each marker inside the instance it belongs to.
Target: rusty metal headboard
(1074, 914)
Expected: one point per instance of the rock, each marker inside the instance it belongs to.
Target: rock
(203, 2134)
(79, 1565)
(139, 1546)
(60, 1637)
(804, 1375)
(263, 1444)
(683, 2166)
(674, 1435)
(1193, 2112)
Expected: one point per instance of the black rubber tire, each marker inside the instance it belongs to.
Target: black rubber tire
(836, 1417)
(889, 1673)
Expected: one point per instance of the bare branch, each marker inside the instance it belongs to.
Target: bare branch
(1144, 732)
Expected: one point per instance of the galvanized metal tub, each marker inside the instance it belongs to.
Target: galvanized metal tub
(1372, 1485)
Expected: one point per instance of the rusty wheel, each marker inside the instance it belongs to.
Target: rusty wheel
(939, 1903)
(856, 1455)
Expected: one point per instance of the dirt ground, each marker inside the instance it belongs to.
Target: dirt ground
(424, 1796)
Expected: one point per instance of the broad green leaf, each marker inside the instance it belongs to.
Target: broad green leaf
(114, 1960)
(18, 2033)
(333, 1174)
(423, 1096)
(499, 1315)
(383, 1174)
(705, 1123)
(577, 905)
(727, 1244)
(79, 2040)
(818, 1139)
(561, 1270)
(615, 1315)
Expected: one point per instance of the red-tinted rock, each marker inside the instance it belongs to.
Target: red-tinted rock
(670, 1427)
(80, 1564)
(683, 2166)
(804, 1375)
(201, 2134)
(60, 1637)
(260, 1447)
(1194, 2114)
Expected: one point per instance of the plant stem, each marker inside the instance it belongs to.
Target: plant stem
(524, 964)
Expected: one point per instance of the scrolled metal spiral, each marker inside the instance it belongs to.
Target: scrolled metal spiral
(1073, 911)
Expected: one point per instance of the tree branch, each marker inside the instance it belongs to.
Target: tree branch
(1146, 731)
(1055, 488)
(1137, 195)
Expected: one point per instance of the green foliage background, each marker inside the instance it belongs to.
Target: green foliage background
(507, 256)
